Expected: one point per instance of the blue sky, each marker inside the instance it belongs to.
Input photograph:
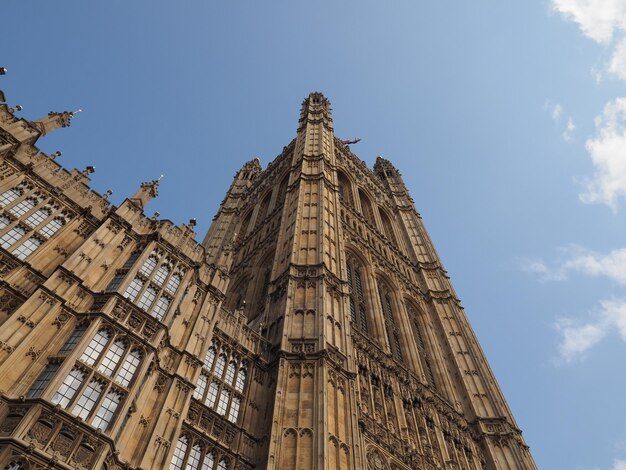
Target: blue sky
(507, 120)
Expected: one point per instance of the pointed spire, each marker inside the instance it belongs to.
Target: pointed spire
(55, 120)
(384, 168)
(147, 191)
(316, 106)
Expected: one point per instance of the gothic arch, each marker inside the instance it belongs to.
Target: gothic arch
(263, 208)
(238, 293)
(391, 314)
(388, 226)
(418, 320)
(366, 207)
(243, 228)
(345, 188)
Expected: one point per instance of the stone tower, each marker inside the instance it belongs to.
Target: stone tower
(313, 328)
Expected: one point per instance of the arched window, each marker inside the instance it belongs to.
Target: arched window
(198, 392)
(223, 465)
(95, 347)
(11, 195)
(179, 453)
(241, 380)
(127, 371)
(107, 409)
(52, 227)
(112, 357)
(416, 322)
(68, 388)
(12, 236)
(148, 286)
(230, 373)
(161, 274)
(387, 226)
(210, 357)
(22, 207)
(223, 393)
(358, 303)
(243, 229)
(263, 208)
(393, 334)
(149, 265)
(220, 365)
(38, 217)
(173, 283)
(195, 454)
(345, 189)
(209, 461)
(28, 247)
(366, 208)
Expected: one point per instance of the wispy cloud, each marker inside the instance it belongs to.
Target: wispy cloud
(597, 19)
(556, 113)
(604, 21)
(576, 337)
(608, 155)
(568, 133)
(557, 110)
(619, 464)
(574, 258)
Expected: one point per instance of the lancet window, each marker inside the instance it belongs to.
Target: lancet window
(345, 189)
(28, 220)
(393, 334)
(196, 457)
(99, 380)
(222, 382)
(358, 302)
(154, 285)
(388, 227)
(416, 321)
(366, 208)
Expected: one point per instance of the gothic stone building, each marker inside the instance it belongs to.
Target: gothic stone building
(313, 328)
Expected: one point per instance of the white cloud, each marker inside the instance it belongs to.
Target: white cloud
(597, 19)
(619, 464)
(617, 65)
(608, 155)
(577, 259)
(577, 338)
(557, 110)
(570, 127)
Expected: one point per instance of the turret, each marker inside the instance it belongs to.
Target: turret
(55, 121)
(146, 192)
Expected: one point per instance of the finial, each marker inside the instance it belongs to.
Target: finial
(156, 215)
(3, 70)
(108, 193)
(89, 170)
(74, 113)
(56, 154)
(193, 222)
(160, 177)
(16, 108)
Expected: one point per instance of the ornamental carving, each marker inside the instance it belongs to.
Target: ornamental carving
(375, 461)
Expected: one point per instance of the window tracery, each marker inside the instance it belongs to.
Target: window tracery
(155, 283)
(196, 457)
(393, 333)
(358, 302)
(29, 219)
(222, 381)
(99, 380)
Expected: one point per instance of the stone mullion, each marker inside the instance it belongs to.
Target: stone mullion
(405, 329)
